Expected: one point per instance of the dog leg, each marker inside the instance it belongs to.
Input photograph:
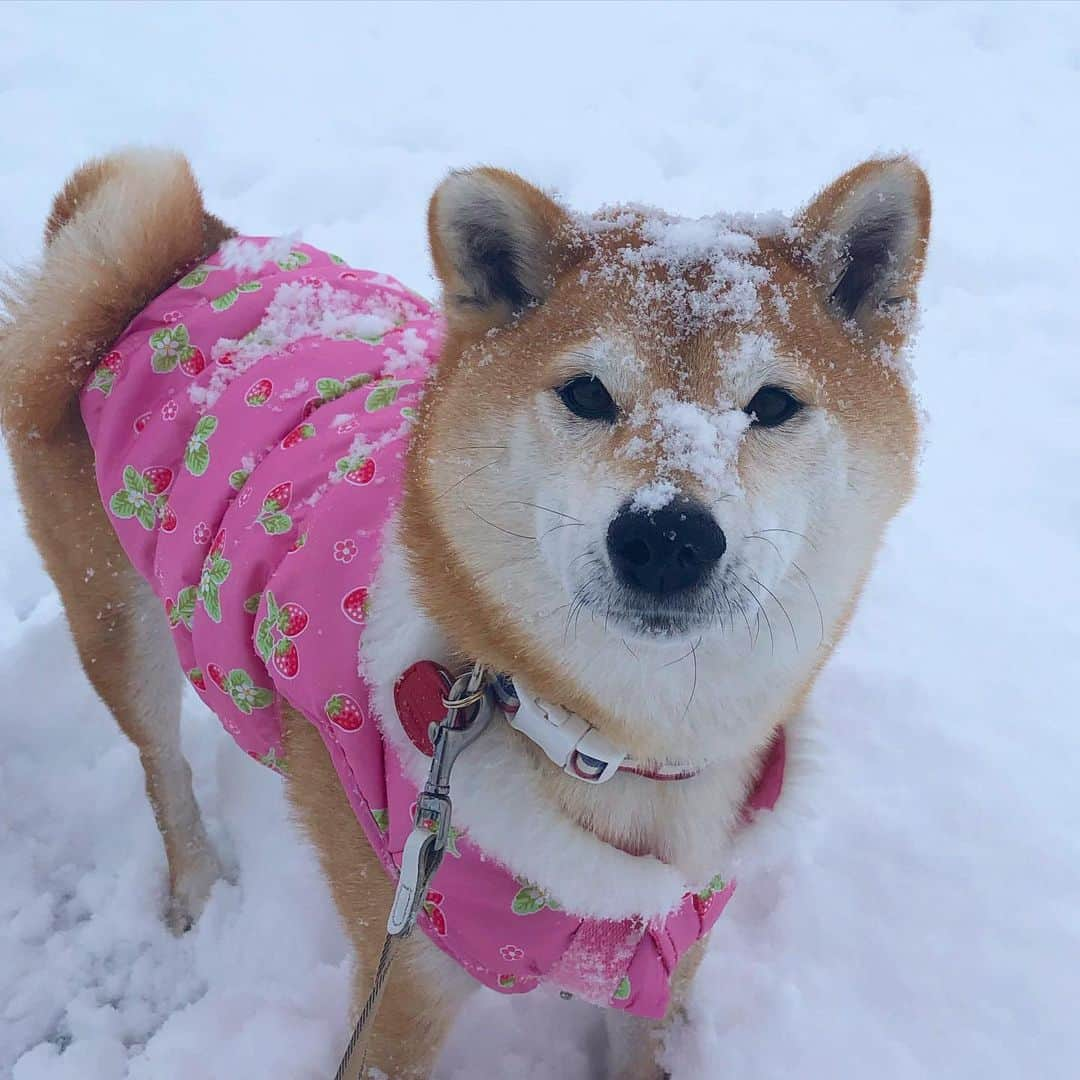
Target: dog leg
(425, 989)
(634, 1043)
(123, 641)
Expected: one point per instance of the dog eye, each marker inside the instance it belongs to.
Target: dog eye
(587, 397)
(771, 406)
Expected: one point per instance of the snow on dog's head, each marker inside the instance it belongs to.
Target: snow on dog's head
(651, 432)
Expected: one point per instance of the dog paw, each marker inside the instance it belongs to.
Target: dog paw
(192, 888)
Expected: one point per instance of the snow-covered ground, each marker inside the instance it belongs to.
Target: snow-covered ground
(932, 927)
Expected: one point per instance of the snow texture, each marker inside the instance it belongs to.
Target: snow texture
(928, 924)
(687, 439)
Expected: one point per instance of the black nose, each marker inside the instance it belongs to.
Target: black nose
(666, 550)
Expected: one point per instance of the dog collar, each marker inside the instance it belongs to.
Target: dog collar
(568, 740)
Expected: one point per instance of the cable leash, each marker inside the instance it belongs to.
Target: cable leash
(468, 710)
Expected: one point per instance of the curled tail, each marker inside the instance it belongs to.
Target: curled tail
(121, 231)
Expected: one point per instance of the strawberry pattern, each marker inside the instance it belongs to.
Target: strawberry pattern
(171, 348)
(274, 638)
(105, 374)
(257, 523)
(272, 516)
(143, 497)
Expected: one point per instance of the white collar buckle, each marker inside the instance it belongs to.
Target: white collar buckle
(569, 741)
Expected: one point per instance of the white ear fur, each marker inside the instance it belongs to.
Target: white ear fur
(497, 243)
(865, 237)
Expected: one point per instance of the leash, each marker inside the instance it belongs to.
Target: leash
(468, 710)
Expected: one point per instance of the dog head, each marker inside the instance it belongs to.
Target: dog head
(650, 437)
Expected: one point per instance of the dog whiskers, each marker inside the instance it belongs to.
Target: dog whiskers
(802, 573)
(467, 476)
(762, 613)
(791, 532)
(776, 599)
(509, 532)
(546, 509)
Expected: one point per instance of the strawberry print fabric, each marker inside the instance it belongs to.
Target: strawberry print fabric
(250, 429)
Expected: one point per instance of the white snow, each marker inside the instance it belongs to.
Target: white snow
(246, 254)
(301, 310)
(929, 926)
(689, 439)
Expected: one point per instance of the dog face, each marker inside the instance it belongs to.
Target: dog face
(652, 432)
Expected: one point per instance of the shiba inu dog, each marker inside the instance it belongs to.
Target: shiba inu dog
(649, 465)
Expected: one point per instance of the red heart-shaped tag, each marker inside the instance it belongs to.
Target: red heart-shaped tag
(418, 696)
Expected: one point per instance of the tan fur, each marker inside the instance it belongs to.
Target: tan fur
(126, 227)
(415, 1012)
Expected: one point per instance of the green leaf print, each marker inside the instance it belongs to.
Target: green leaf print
(121, 505)
(271, 760)
(102, 380)
(293, 261)
(275, 524)
(382, 819)
(530, 899)
(197, 453)
(197, 458)
(145, 516)
(225, 300)
(170, 346)
(250, 286)
(383, 393)
(218, 570)
(195, 278)
(245, 694)
(133, 481)
(264, 639)
(622, 991)
(211, 600)
(329, 389)
(215, 572)
(184, 609)
(251, 604)
(238, 479)
(337, 260)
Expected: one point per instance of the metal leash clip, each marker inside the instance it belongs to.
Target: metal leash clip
(469, 709)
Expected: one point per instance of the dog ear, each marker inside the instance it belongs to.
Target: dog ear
(865, 238)
(498, 243)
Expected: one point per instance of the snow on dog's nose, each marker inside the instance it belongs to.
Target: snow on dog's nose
(664, 551)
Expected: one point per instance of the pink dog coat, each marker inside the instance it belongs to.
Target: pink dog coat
(250, 429)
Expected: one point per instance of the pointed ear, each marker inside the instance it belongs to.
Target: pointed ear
(865, 239)
(498, 244)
